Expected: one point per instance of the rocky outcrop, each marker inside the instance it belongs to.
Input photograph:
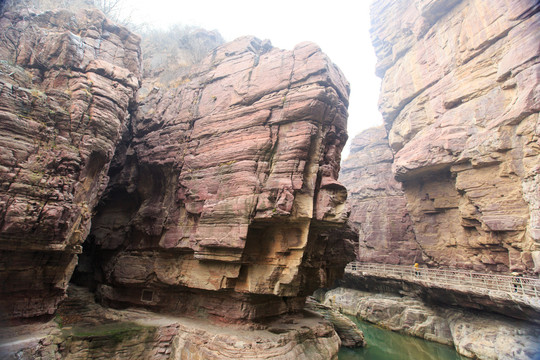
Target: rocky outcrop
(473, 334)
(460, 100)
(67, 82)
(404, 314)
(348, 332)
(378, 204)
(223, 188)
(225, 192)
(83, 329)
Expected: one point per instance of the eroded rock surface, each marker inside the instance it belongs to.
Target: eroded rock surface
(348, 332)
(476, 335)
(67, 82)
(460, 99)
(83, 329)
(378, 204)
(224, 188)
(225, 193)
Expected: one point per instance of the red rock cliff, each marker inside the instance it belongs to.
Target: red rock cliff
(226, 195)
(222, 196)
(378, 204)
(66, 84)
(460, 99)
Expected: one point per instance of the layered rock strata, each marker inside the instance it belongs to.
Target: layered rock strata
(225, 194)
(348, 332)
(83, 329)
(378, 204)
(460, 100)
(223, 199)
(67, 82)
(473, 334)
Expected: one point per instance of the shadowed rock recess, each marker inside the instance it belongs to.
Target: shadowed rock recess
(221, 198)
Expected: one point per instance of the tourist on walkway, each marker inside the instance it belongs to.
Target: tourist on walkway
(516, 281)
(416, 269)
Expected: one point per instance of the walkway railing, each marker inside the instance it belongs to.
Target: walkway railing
(513, 285)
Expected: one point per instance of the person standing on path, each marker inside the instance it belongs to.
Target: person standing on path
(416, 269)
(516, 280)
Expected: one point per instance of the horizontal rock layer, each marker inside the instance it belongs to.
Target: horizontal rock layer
(460, 101)
(67, 82)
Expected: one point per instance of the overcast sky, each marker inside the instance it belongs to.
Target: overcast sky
(339, 27)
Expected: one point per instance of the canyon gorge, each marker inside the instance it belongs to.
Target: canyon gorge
(185, 205)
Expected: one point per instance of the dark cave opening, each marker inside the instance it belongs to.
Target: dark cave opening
(110, 231)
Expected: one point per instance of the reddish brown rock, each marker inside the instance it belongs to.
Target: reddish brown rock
(378, 204)
(460, 97)
(224, 188)
(83, 329)
(226, 194)
(66, 84)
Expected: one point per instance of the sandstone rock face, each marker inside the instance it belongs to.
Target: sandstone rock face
(67, 82)
(223, 188)
(476, 335)
(348, 332)
(404, 314)
(460, 99)
(85, 330)
(378, 204)
(225, 193)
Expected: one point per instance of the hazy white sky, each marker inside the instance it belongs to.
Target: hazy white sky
(339, 27)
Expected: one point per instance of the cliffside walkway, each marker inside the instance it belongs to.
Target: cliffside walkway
(514, 286)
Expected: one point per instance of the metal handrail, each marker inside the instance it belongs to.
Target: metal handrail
(513, 285)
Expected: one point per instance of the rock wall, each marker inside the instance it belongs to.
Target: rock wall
(67, 82)
(218, 188)
(226, 192)
(460, 100)
(378, 204)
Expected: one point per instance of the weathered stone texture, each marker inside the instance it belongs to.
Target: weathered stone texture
(66, 84)
(473, 334)
(85, 330)
(226, 188)
(460, 99)
(378, 204)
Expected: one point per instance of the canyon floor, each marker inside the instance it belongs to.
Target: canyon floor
(83, 329)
